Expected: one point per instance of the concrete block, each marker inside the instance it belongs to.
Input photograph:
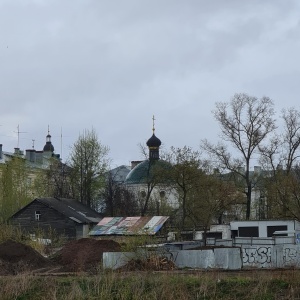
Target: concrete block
(115, 260)
(198, 259)
(228, 258)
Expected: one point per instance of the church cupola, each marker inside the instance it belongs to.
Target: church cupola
(153, 144)
(48, 146)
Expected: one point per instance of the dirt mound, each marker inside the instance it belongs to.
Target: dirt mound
(16, 258)
(152, 263)
(85, 254)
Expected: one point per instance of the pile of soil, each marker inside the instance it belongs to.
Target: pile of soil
(17, 258)
(152, 263)
(84, 254)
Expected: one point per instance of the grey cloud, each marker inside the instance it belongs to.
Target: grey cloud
(112, 64)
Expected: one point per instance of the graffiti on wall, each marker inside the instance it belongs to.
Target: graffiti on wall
(290, 256)
(261, 256)
(258, 255)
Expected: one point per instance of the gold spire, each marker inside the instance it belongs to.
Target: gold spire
(153, 128)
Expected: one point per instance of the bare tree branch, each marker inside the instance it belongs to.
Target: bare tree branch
(244, 122)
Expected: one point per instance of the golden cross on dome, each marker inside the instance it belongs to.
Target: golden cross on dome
(153, 128)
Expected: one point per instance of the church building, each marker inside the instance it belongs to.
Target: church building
(148, 180)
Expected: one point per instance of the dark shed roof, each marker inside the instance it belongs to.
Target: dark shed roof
(71, 208)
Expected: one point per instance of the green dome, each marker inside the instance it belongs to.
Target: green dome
(146, 170)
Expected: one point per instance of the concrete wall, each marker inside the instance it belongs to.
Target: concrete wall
(218, 258)
(248, 256)
(271, 256)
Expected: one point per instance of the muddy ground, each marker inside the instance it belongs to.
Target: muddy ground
(84, 255)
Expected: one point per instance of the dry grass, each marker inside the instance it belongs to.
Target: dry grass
(268, 284)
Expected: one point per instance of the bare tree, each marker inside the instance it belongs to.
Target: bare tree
(282, 151)
(281, 158)
(245, 122)
(184, 176)
(118, 200)
(211, 198)
(57, 177)
(291, 137)
(156, 178)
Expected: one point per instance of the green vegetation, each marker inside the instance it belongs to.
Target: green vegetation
(15, 186)
(88, 162)
(9, 232)
(203, 195)
(143, 285)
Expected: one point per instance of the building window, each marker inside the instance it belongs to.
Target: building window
(162, 194)
(250, 231)
(272, 229)
(37, 215)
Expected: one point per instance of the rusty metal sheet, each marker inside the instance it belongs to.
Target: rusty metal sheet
(129, 226)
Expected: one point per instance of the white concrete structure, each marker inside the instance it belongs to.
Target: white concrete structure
(218, 231)
(265, 228)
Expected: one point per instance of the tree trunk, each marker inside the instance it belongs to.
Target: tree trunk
(248, 194)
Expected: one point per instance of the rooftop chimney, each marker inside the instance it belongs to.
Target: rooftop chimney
(18, 151)
(30, 155)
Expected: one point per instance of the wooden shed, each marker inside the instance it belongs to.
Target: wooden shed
(67, 217)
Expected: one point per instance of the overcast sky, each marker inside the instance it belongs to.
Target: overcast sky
(112, 65)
